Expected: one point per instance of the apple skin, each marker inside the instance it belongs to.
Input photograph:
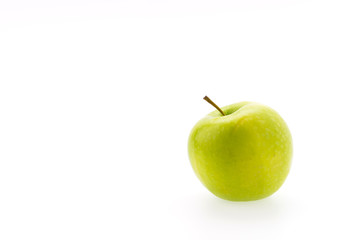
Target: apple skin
(244, 155)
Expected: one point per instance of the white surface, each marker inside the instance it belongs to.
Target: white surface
(97, 99)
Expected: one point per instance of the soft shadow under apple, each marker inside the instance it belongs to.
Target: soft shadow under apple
(268, 209)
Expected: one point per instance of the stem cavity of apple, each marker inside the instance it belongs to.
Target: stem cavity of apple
(206, 98)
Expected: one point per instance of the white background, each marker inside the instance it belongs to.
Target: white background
(97, 99)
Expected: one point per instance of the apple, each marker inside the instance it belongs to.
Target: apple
(241, 152)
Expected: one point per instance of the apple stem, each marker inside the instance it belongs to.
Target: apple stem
(206, 98)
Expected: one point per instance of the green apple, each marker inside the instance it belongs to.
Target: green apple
(241, 152)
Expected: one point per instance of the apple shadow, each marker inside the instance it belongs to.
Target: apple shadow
(268, 209)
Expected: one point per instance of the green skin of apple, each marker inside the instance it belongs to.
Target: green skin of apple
(244, 155)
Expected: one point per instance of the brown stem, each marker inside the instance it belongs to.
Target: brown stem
(206, 98)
